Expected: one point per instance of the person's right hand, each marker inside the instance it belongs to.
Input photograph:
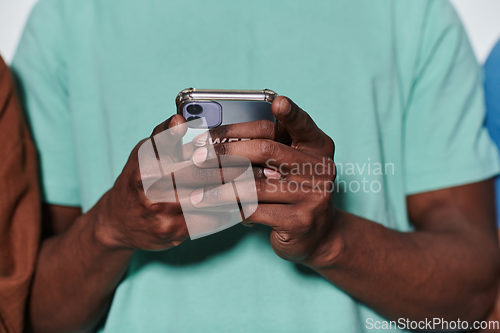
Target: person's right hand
(128, 218)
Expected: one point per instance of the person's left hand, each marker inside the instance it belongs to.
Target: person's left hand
(296, 197)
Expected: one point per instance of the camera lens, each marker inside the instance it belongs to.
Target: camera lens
(195, 109)
(195, 121)
(210, 113)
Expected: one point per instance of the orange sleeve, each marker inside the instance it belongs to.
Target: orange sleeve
(20, 217)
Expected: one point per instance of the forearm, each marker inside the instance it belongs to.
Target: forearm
(414, 275)
(75, 279)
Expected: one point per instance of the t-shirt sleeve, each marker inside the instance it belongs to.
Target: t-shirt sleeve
(445, 141)
(39, 66)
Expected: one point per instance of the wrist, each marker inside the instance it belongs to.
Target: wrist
(332, 246)
(104, 234)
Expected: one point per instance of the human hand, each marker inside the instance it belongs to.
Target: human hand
(295, 199)
(147, 210)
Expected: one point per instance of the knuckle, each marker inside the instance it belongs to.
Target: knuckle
(136, 181)
(153, 210)
(268, 148)
(309, 124)
(283, 241)
(221, 149)
(260, 185)
(163, 230)
(219, 132)
(266, 128)
(258, 172)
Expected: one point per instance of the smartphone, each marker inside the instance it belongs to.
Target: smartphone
(206, 109)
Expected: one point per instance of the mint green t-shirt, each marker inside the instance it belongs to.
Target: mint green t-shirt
(394, 83)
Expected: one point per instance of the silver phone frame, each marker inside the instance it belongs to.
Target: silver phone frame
(192, 94)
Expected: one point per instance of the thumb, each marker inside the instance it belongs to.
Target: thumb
(299, 125)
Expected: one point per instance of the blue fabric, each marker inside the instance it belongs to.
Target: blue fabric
(492, 89)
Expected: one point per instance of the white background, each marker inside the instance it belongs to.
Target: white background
(481, 19)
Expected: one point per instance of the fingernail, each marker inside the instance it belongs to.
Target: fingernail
(173, 126)
(271, 174)
(196, 196)
(176, 127)
(285, 106)
(200, 139)
(200, 155)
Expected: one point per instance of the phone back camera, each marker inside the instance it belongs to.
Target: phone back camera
(195, 121)
(204, 112)
(194, 109)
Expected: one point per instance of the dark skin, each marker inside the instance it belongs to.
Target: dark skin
(446, 268)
